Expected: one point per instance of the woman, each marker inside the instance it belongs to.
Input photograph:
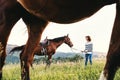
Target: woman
(88, 50)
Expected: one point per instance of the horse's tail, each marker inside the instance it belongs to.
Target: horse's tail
(19, 48)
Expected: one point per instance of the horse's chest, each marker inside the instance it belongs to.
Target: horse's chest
(51, 50)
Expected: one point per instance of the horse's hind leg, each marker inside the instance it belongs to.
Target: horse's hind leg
(35, 29)
(113, 56)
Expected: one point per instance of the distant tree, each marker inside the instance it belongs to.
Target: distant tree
(12, 59)
(76, 58)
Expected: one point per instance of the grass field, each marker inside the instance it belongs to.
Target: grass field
(62, 71)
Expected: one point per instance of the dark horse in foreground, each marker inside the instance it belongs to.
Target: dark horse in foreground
(49, 48)
(36, 14)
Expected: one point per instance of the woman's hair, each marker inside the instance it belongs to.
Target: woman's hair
(88, 38)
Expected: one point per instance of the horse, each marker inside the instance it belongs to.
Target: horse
(36, 14)
(49, 48)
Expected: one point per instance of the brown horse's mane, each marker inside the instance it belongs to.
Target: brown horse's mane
(57, 39)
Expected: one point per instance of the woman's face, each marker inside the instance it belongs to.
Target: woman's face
(87, 39)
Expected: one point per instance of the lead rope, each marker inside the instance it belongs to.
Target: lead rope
(75, 49)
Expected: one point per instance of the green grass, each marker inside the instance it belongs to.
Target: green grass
(62, 71)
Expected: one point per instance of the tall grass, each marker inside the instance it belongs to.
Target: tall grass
(62, 71)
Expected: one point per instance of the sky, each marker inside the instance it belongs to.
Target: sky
(99, 27)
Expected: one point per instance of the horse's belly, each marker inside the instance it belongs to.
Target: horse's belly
(60, 11)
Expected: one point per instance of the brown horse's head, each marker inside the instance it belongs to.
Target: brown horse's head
(68, 41)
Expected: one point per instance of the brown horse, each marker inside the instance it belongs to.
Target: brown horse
(49, 48)
(38, 13)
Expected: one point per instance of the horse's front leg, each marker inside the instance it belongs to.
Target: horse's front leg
(48, 61)
(4, 34)
(113, 56)
(35, 29)
(9, 15)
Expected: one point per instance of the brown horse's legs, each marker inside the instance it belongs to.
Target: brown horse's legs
(2, 58)
(113, 56)
(35, 29)
(48, 62)
(111, 66)
(4, 34)
(8, 18)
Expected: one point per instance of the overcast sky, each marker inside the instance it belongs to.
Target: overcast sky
(98, 26)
